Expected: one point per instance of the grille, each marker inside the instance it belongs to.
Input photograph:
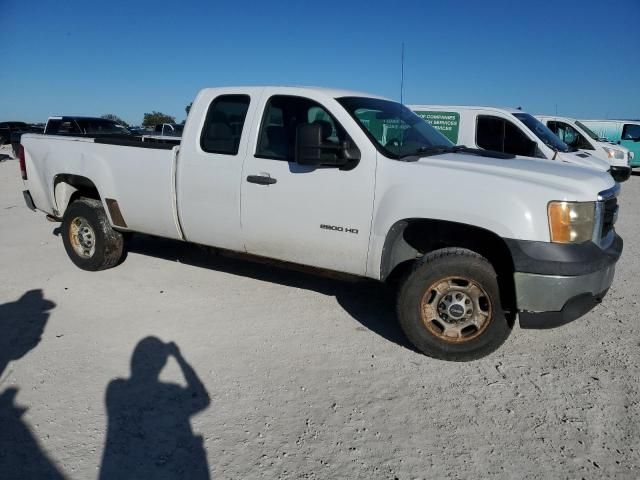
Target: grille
(610, 215)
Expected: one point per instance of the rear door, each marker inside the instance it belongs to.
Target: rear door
(210, 165)
(318, 216)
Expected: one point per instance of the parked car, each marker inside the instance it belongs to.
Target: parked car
(476, 238)
(169, 129)
(579, 136)
(83, 126)
(511, 131)
(7, 128)
(621, 132)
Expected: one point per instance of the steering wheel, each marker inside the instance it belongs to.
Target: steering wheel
(394, 142)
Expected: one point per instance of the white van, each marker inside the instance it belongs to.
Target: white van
(625, 133)
(511, 131)
(576, 134)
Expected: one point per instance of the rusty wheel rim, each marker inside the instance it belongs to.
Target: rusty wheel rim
(456, 309)
(83, 238)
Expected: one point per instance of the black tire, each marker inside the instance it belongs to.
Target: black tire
(106, 243)
(418, 302)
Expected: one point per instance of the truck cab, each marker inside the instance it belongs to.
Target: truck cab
(512, 131)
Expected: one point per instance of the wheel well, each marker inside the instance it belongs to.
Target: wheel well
(410, 239)
(68, 187)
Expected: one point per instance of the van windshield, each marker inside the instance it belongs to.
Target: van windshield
(395, 130)
(542, 132)
(588, 131)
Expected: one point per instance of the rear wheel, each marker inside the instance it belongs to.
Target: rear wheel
(449, 306)
(88, 238)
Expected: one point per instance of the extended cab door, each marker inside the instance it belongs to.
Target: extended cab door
(209, 167)
(318, 216)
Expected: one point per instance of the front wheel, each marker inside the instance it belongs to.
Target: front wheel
(88, 238)
(449, 306)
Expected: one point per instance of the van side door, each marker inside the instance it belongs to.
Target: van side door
(312, 215)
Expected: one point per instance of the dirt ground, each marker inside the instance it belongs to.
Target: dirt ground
(274, 373)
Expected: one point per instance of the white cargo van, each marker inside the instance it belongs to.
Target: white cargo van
(511, 131)
(576, 134)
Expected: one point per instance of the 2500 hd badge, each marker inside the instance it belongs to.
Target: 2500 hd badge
(339, 229)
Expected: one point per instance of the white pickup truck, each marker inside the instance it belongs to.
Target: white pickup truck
(476, 238)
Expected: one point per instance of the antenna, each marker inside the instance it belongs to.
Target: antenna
(556, 109)
(402, 74)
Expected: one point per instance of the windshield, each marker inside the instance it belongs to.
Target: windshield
(103, 127)
(542, 132)
(586, 130)
(395, 130)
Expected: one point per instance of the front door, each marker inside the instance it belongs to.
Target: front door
(318, 216)
(631, 140)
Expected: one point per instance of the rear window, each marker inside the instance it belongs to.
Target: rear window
(223, 126)
(102, 127)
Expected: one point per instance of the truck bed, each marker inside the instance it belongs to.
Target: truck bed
(139, 174)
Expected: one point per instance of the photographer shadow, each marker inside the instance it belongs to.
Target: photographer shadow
(149, 433)
(21, 327)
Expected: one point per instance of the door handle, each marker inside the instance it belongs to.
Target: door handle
(261, 179)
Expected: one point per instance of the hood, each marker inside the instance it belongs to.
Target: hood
(567, 180)
(585, 159)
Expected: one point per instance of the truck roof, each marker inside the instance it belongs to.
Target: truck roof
(470, 107)
(286, 89)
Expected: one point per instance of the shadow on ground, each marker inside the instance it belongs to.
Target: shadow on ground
(149, 432)
(21, 327)
(369, 302)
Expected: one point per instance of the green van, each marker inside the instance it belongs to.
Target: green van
(622, 132)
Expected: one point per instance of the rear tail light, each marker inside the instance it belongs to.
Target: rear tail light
(23, 163)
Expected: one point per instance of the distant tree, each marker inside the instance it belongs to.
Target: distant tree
(188, 108)
(115, 118)
(155, 118)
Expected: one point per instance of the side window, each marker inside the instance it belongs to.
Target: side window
(553, 126)
(53, 126)
(515, 141)
(490, 133)
(631, 131)
(281, 118)
(224, 123)
(493, 133)
(572, 137)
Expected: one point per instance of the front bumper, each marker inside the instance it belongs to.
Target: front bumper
(556, 284)
(619, 173)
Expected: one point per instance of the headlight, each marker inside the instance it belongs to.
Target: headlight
(631, 155)
(614, 153)
(571, 222)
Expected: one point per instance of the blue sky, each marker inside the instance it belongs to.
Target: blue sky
(127, 58)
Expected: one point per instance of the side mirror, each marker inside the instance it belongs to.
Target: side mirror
(311, 149)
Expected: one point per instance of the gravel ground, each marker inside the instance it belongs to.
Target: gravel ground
(279, 374)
